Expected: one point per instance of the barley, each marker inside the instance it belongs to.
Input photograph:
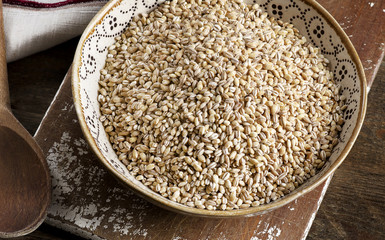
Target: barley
(215, 114)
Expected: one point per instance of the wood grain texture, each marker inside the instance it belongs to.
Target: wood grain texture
(4, 91)
(33, 82)
(353, 207)
(362, 20)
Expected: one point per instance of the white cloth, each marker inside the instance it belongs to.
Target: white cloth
(32, 29)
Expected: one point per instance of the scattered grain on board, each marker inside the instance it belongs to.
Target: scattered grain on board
(214, 105)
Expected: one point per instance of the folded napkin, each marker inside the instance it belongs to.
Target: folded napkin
(33, 26)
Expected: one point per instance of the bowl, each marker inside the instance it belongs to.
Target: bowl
(309, 17)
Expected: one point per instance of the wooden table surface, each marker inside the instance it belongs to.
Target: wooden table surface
(353, 207)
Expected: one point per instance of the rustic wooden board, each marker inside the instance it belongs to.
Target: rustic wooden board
(362, 20)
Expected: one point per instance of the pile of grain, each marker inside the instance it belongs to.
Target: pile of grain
(214, 105)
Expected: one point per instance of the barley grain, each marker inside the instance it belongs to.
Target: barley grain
(218, 110)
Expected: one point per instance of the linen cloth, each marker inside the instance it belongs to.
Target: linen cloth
(33, 26)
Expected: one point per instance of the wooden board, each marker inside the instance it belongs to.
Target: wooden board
(362, 20)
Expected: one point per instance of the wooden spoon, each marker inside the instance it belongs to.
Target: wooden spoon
(25, 185)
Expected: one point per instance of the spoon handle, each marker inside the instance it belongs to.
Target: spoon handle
(4, 90)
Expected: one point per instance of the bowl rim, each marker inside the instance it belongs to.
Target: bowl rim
(155, 198)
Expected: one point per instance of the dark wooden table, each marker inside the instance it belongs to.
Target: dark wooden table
(353, 207)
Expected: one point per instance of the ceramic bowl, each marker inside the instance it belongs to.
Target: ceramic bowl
(312, 20)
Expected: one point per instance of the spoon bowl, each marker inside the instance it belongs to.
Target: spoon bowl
(24, 184)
